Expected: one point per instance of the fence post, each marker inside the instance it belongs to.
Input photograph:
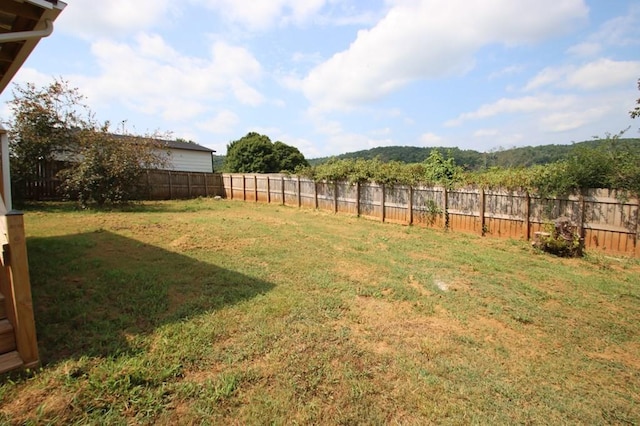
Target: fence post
(410, 206)
(581, 213)
(189, 184)
(255, 187)
(527, 215)
(268, 189)
(244, 189)
(315, 194)
(17, 271)
(358, 198)
(445, 207)
(636, 241)
(231, 184)
(282, 188)
(299, 195)
(481, 205)
(335, 197)
(382, 203)
(170, 187)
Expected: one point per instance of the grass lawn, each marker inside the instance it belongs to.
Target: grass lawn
(224, 312)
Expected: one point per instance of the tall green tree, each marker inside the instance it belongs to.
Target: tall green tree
(289, 157)
(255, 153)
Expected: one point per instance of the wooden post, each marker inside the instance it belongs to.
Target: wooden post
(206, 187)
(335, 197)
(636, 241)
(527, 215)
(18, 273)
(382, 203)
(358, 198)
(445, 207)
(170, 187)
(481, 205)
(231, 185)
(268, 189)
(315, 194)
(410, 205)
(189, 184)
(244, 188)
(255, 187)
(581, 214)
(299, 195)
(282, 189)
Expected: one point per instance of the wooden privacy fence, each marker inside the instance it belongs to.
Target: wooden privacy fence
(606, 221)
(154, 185)
(170, 185)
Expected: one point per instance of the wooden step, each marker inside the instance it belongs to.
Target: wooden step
(3, 308)
(7, 337)
(10, 361)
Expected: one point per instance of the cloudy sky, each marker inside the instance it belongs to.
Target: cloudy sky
(333, 76)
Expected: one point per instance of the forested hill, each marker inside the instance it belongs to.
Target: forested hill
(474, 160)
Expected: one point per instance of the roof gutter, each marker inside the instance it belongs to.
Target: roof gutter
(28, 35)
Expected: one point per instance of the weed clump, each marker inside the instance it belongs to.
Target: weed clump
(561, 239)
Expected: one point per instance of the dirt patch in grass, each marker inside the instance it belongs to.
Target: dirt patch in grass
(625, 354)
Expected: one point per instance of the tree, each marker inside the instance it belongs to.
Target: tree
(635, 113)
(288, 157)
(43, 125)
(255, 153)
(111, 168)
(52, 124)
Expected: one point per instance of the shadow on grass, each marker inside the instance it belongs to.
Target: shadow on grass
(95, 293)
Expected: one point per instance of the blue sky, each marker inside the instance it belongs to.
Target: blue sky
(333, 76)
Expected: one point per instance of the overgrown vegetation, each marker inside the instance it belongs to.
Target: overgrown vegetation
(226, 312)
(53, 124)
(614, 163)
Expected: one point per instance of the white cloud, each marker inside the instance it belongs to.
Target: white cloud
(429, 38)
(604, 73)
(571, 120)
(619, 31)
(86, 19)
(527, 104)
(263, 14)
(483, 133)
(585, 49)
(152, 77)
(510, 70)
(223, 122)
(431, 139)
(600, 74)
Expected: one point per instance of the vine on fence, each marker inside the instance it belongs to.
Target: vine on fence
(613, 165)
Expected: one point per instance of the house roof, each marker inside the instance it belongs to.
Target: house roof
(173, 144)
(22, 24)
(190, 146)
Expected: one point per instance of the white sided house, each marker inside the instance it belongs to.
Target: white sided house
(188, 157)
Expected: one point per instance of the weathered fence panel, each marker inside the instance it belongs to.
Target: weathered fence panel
(606, 221)
(464, 210)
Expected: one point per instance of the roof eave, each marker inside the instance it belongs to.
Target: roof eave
(49, 14)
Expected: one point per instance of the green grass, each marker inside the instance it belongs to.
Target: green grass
(227, 312)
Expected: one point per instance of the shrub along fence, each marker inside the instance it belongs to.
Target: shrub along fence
(606, 221)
